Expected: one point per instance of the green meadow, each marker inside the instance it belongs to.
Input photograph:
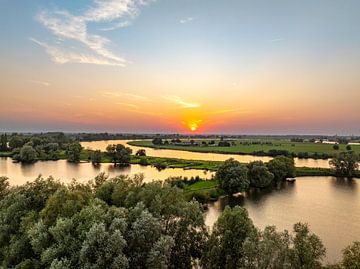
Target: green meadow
(246, 146)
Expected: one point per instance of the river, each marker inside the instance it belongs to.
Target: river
(21, 173)
(329, 205)
(188, 155)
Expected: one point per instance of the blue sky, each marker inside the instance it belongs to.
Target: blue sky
(225, 55)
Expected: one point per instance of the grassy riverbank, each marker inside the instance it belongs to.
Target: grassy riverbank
(5, 154)
(205, 191)
(255, 147)
(164, 163)
(202, 190)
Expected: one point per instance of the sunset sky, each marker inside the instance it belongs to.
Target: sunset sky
(203, 66)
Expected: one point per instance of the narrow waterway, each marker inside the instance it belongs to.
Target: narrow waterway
(188, 155)
(21, 173)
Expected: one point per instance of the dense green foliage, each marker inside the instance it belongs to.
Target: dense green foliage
(115, 223)
(141, 153)
(157, 141)
(124, 223)
(259, 175)
(281, 167)
(3, 142)
(236, 243)
(119, 154)
(345, 164)
(47, 146)
(73, 152)
(224, 248)
(232, 177)
(235, 177)
(96, 157)
(27, 154)
(351, 256)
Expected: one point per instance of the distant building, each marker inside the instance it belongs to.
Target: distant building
(325, 141)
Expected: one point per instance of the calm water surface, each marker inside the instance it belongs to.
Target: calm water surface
(19, 173)
(168, 153)
(330, 206)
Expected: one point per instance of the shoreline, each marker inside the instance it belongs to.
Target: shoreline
(211, 166)
(264, 154)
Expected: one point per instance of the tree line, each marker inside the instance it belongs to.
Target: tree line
(30, 148)
(124, 223)
(235, 177)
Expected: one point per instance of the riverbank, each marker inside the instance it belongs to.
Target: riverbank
(163, 163)
(304, 150)
(5, 153)
(205, 191)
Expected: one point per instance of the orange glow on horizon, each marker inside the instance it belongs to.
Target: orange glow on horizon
(193, 125)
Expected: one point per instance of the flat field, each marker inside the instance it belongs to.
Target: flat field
(252, 146)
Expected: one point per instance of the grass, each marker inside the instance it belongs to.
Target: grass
(241, 147)
(187, 164)
(5, 154)
(202, 185)
(204, 165)
(203, 191)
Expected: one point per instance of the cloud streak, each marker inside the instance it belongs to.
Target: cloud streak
(40, 82)
(127, 95)
(186, 20)
(276, 40)
(118, 25)
(181, 102)
(62, 56)
(68, 27)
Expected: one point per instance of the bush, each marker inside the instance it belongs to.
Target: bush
(281, 167)
(232, 177)
(157, 141)
(143, 161)
(160, 165)
(259, 175)
(224, 144)
(345, 163)
(27, 154)
(202, 197)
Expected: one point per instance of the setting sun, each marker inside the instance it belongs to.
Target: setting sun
(193, 125)
(236, 115)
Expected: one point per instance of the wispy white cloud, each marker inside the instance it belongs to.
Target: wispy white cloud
(62, 56)
(186, 20)
(40, 82)
(126, 95)
(115, 26)
(230, 111)
(276, 40)
(66, 26)
(181, 102)
(108, 10)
